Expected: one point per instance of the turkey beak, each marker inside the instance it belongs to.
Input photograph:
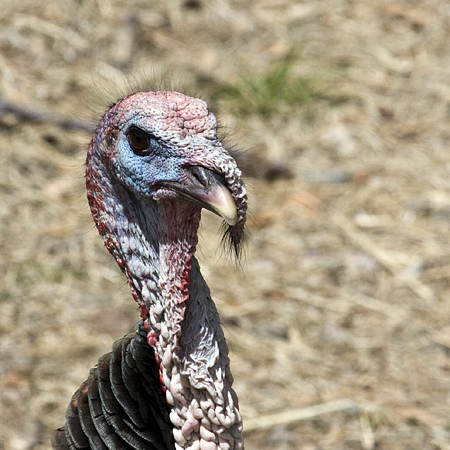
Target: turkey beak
(208, 189)
(219, 200)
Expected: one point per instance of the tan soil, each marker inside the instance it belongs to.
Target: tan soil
(345, 288)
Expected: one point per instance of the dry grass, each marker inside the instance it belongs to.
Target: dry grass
(345, 290)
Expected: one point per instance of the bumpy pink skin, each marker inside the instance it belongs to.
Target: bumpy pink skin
(153, 234)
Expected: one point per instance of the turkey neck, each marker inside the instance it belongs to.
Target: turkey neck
(177, 237)
(154, 244)
(195, 357)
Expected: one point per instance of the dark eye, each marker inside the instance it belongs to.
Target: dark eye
(139, 141)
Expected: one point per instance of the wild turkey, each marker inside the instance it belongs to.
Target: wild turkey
(153, 163)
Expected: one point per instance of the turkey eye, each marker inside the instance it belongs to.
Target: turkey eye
(139, 141)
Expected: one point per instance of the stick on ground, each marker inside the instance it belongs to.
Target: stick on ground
(297, 415)
(41, 116)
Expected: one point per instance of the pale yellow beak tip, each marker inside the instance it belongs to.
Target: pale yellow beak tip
(224, 205)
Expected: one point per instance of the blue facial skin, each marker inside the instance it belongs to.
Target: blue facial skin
(142, 174)
(165, 162)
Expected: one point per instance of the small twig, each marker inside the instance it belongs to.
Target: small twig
(36, 115)
(367, 437)
(345, 299)
(383, 258)
(297, 415)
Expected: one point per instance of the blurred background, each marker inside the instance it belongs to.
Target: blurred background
(342, 108)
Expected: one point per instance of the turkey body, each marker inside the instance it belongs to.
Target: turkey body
(154, 162)
(121, 405)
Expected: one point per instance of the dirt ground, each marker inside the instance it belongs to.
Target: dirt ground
(343, 297)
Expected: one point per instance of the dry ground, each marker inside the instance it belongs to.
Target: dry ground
(345, 289)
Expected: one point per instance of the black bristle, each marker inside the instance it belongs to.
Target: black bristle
(234, 239)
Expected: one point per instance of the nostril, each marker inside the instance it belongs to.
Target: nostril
(201, 175)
